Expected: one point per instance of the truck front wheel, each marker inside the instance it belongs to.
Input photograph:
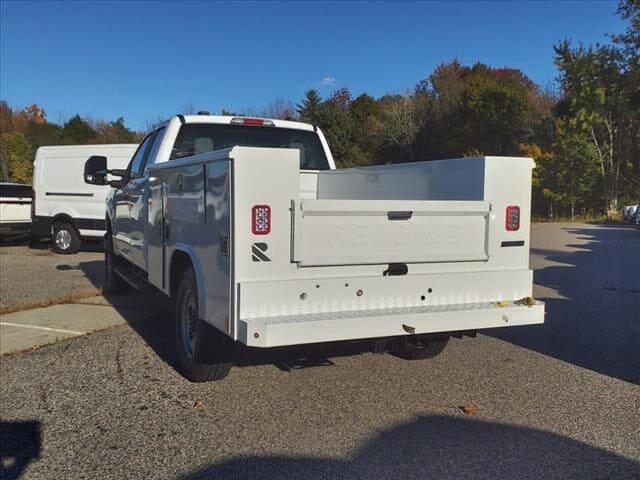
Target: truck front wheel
(423, 349)
(203, 353)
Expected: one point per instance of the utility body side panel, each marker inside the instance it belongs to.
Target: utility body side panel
(190, 214)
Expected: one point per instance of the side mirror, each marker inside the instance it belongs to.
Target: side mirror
(95, 170)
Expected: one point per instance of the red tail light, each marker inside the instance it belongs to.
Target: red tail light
(512, 220)
(261, 219)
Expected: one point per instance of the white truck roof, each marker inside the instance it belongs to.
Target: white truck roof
(227, 120)
(172, 126)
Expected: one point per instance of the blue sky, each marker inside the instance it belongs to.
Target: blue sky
(145, 60)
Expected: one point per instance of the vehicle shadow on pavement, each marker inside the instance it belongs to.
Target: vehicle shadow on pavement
(441, 447)
(592, 300)
(158, 330)
(159, 333)
(94, 271)
(20, 444)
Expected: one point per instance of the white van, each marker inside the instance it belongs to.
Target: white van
(65, 208)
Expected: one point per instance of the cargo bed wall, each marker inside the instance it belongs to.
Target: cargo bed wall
(456, 179)
(507, 182)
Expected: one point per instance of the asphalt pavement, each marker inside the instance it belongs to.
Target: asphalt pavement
(554, 401)
(33, 274)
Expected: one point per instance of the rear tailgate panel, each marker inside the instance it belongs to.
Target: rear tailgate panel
(361, 232)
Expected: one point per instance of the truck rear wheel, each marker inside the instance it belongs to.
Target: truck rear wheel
(423, 349)
(66, 239)
(113, 283)
(204, 354)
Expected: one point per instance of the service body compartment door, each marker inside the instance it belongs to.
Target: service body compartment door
(356, 232)
(216, 251)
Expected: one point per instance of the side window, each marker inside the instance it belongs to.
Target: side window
(137, 162)
(153, 151)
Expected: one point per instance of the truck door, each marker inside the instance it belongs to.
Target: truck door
(124, 200)
(138, 199)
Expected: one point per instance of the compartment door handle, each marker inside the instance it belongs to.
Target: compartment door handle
(399, 215)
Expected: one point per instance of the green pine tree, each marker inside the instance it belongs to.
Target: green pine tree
(311, 109)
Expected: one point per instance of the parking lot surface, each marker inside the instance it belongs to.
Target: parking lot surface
(30, 275)
(557, 401)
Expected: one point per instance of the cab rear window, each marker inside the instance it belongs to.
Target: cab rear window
(194, 139)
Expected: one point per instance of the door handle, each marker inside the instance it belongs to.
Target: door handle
(224, 245)
(399, 215)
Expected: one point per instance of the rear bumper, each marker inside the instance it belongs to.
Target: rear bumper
(388, 322)
(15, 228)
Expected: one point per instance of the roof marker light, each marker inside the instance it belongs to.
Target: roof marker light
(252, 121)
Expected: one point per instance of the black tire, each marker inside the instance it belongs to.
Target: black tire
(423, 349)
(66, 239)
(113, 283)
(204, 354)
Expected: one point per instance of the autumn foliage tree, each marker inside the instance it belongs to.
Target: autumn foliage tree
(23, 131)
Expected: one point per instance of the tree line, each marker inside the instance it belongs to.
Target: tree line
(584, 133)
(23, 131)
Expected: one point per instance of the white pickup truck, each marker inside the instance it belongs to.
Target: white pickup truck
(261, 242)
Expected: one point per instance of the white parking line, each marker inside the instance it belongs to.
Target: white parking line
(59, 330)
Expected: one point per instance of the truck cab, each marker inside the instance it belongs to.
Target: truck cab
(262, 243)
(185, 136)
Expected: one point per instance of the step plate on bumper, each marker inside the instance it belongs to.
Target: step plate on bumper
(388, 322)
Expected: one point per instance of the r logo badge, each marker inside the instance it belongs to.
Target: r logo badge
(257, 252)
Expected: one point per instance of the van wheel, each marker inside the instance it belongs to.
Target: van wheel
(66, 239)
(423, 349)
(203, 353)
(113, 283)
